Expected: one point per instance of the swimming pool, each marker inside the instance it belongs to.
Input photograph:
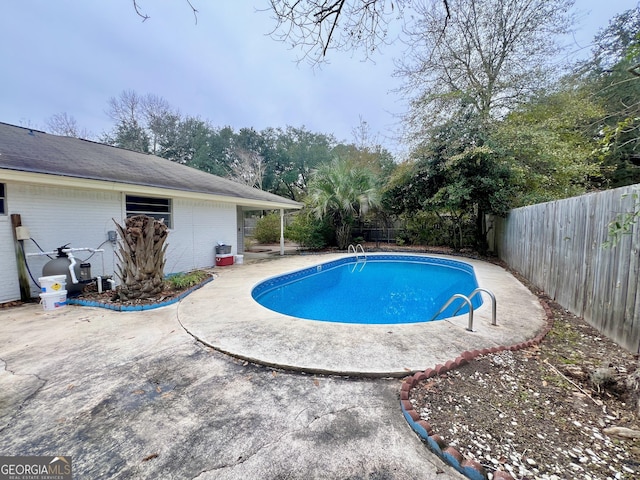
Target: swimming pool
(387, 289)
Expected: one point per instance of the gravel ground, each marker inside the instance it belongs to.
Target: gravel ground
(563, 409)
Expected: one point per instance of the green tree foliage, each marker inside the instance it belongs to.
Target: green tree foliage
(341, 192)
(455, 176)
(292, 154)
(308, 231)
(130, 135)
(194, 142)
(612, 74)
(268, 229)
(550, 144)
(276, 160)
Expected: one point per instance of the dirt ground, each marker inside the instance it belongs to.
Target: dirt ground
(566, 408)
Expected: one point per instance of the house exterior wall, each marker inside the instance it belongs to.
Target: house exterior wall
(197, 227)
(9, 286)
(57, 216)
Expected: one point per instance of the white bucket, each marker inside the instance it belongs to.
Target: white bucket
(54, 300)
(53, 283)
(239, 259)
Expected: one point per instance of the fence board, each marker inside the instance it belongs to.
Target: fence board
(558, 247)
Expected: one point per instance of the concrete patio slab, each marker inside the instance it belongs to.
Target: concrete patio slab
(130, 395)
(224, 316)
(133, 395)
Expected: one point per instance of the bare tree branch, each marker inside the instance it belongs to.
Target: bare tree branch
(492, 55)
(145, 17)
(136, 7)
(316, 26)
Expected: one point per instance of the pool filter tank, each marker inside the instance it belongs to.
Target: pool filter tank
(60, 266)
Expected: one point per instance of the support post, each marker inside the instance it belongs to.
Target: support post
(23, 278)
(282, 231)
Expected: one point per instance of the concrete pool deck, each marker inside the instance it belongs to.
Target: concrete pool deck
(224, 316)
(133, 395)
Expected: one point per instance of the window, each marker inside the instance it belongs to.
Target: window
(157, 208)
(3, 200)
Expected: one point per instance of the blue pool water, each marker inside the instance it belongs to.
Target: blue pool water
(387, 289)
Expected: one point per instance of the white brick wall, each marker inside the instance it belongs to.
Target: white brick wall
(197, 227)
(57, 216)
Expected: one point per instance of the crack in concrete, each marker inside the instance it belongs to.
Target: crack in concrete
(42, 381)
(243, 458)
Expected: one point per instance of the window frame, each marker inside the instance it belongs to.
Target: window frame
(156, 207)
(3, 199)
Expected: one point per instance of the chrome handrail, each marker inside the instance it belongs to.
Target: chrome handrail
(355, 252)
(493, 303)
(466, 300)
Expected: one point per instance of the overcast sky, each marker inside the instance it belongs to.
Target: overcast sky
(73, 55)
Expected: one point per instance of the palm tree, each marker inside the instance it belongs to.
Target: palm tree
(343, 191)
(141, 257)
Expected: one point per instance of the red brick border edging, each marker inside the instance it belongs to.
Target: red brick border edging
(470, 468)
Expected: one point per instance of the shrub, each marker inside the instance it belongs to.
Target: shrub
(187, 280)
(308, 232)
(268, 229)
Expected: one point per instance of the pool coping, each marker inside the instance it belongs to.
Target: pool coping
(224, 316)
(270, 284)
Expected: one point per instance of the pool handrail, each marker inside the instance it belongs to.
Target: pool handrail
(467, 300)
(463, 298)
(493, 303)
(353, 249)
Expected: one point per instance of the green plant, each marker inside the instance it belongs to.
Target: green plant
(624, 222)
(268, 229)
(187, 279)
(308, 232)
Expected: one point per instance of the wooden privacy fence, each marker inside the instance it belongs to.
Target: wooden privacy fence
(558, 246)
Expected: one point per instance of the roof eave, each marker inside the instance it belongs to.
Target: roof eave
(90, 184)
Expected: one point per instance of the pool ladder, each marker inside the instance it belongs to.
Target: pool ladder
(363, 258)
(467, 300)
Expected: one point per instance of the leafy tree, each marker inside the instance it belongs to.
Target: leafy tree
(129, 131)
(456, 176)
(143, 122)
(128, 134)
(550, 144)
(268, 229)
(341, 192)
(308, 231)
(477, 182)
(194, 142)
(612, 74)
(291, 155)
(159, 119)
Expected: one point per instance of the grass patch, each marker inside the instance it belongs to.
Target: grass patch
(188, 279)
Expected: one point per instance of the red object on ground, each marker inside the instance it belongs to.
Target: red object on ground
(224, 260)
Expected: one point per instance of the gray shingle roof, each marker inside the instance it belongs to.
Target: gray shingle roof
(28, 150)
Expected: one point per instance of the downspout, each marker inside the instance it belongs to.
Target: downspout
(282, 231)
